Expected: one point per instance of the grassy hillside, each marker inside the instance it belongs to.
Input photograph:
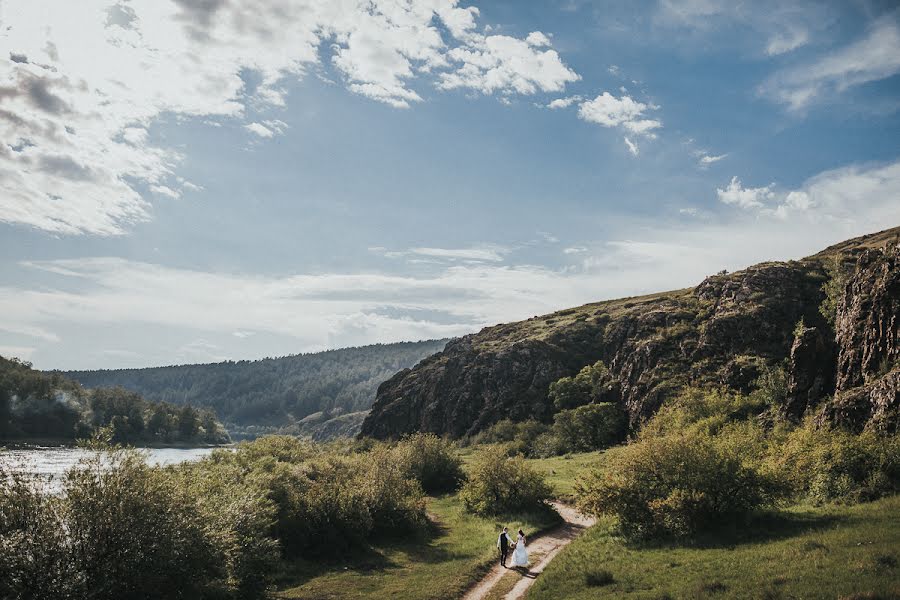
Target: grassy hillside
(275, 394)
(805, 552)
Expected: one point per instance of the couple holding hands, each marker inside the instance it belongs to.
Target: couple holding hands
(520, 554)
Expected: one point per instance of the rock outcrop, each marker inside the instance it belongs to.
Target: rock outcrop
(866, 333)
(723, 332)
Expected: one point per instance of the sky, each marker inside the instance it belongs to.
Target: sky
(189, 181)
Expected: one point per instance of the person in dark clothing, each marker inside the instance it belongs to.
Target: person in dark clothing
(503, 543)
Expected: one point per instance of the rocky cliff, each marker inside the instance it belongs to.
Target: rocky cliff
(723, 332)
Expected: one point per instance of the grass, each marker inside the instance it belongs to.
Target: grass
(562, 471)
(803, 552)
(446, 559)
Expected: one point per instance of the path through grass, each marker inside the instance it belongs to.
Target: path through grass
(829, 552)
(445, 561)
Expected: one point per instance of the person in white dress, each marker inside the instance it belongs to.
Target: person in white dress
(520, 555)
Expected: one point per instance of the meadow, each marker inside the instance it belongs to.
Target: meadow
(447, 557)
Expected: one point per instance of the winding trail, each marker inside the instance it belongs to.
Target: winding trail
(543, 548)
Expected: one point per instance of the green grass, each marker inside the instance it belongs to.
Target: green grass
(827, 552)
(562, 471)
(445, 560)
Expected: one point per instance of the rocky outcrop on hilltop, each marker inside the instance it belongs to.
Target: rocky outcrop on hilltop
(725, 331)
(867, 390)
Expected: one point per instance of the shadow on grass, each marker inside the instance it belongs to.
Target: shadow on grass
(366, 559)
(763, 527)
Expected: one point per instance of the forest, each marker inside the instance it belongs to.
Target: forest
(38, 406)
(272, 394)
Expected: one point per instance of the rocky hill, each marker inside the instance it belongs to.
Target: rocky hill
(831, 319)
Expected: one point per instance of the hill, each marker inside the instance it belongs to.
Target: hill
(831, 320)
(276, 394)
(52, 408)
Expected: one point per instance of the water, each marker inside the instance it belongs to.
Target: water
(50, 462)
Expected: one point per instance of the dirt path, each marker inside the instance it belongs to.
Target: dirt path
(542, 549)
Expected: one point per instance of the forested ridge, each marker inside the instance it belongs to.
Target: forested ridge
(273, 393)
(51, 407)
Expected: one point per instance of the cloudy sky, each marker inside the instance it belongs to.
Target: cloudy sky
(189, 181)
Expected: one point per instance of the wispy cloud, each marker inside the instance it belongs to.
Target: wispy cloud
(876, 56)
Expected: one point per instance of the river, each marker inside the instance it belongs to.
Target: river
(50, 462)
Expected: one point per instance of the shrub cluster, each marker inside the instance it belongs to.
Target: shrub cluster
(211, 529)
(498, 484)
(588, 427)
(123, 529)
(706, 458)
(676, 484)
(820, 464)
(430, 460)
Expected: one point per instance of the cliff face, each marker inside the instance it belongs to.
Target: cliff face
(866, 333)
(723, 332)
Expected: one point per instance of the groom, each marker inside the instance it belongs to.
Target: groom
(503, 544)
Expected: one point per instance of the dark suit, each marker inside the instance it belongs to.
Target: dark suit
(503, 543)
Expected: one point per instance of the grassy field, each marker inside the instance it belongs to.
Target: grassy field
(828, 552)
(562, 471)
(442, 563)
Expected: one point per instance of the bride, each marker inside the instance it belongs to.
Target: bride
(520, 556)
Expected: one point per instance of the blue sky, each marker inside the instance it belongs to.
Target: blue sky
(187, 182)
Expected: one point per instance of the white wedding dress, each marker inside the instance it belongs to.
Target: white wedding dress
(520, 556)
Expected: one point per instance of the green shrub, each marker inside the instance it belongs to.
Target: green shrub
(34, 559)
(831, 465)
(593, 383)
(588, 427)
(701, 409)
(133, 532)
(521, 437)
(394, 500)
(833, 287)
(501, 485)
(676, 484)
(430, 460)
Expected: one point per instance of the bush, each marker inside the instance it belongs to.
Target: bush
(430, 460)
(394, 500)
(830, 465)
(676, 484)
(501, 485)
(588, 427)
(521, 438)
(34, 560)
(707, 410)
(133, 532)
(592, 384)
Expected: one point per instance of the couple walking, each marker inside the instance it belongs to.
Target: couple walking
(520, 554)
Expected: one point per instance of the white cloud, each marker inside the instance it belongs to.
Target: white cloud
(506, 65)
(482, 253)
(564, 102)
(632, 147)
(707, 159)
(623, 112)
(690, 211)
(317, 311)
(82, 82)
(735, 193)
(163, 190)
(855, 194)
(874, 57)
(20, 352)
(787, 41)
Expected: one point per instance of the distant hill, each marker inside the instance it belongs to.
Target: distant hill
(48, 407)
(830, 321)
(296, 393)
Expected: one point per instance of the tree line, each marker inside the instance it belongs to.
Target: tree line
(272, 392)
(49, 406)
